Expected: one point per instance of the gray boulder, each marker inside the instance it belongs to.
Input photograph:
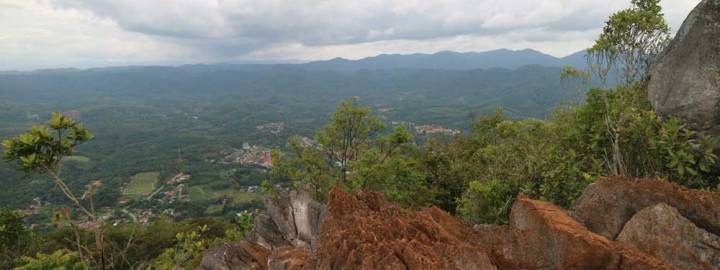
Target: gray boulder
(606, 205)
(685, 78)
(281, 238)
(662, 232)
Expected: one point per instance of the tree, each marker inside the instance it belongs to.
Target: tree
(352, 153)
(349, 133)
(392, 166)
(628, 44)
(631, 39)
(42, 150)
(318, 167)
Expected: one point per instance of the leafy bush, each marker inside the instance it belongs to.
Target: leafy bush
(61, 259)
(615, 132)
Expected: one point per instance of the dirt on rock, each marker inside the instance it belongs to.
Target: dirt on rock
(364, 231)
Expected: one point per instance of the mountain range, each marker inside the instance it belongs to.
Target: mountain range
(448, 60)
(444, 60)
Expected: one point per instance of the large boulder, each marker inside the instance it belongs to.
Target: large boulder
(364, 231)
(291, 219)
(685, 78)
(543, 236)
(281, 237)
(606, 205)
(661, 231)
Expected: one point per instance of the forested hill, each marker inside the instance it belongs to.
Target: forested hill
(528, 91)
(147, 119)
(502, 58)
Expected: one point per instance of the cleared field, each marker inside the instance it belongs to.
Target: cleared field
(237, 196)
(141, 184)
(214, 209)
(198, 193)
(81, 159)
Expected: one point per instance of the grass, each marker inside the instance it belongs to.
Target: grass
(200, 193)
(214, 209)
(237, 196)
(80, 159)
(141, 184)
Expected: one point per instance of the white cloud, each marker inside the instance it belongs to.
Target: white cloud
(35, 35)
(52, 33)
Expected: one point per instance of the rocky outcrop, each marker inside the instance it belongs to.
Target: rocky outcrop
(661, 231)
(685, 78)
(281, 237)
(365, 231)
(288, 220)
(618, 223)
(543, 236)
(606, 205)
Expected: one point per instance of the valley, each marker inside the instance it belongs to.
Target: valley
(218, 123)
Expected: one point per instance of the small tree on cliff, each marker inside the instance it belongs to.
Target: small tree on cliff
(41, 150)
(630, 40)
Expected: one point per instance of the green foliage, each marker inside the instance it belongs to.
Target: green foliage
(347, 135)
(42, 148)
(488, 202)
(146, 130)
(350, 153)
(244, 223)
(13, 236)
(615, 132)
(58, 260)
(188, 250)
(392, 167)
(187, 253)
(12, 229)
(529, 156)
(630, 40)
(688, 158)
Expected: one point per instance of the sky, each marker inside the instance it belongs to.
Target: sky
(38, 34)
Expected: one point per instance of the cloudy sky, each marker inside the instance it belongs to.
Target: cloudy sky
(88, 33)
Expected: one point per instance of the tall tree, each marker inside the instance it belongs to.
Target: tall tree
(630, 40)
(348, 134)
(351, 153)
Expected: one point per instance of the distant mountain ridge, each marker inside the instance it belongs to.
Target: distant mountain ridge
(444, 60)
(449, 60)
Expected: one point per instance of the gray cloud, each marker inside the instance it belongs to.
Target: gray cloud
(182, 31)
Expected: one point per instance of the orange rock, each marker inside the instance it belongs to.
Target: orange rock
(366, 232)
(543, 236)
